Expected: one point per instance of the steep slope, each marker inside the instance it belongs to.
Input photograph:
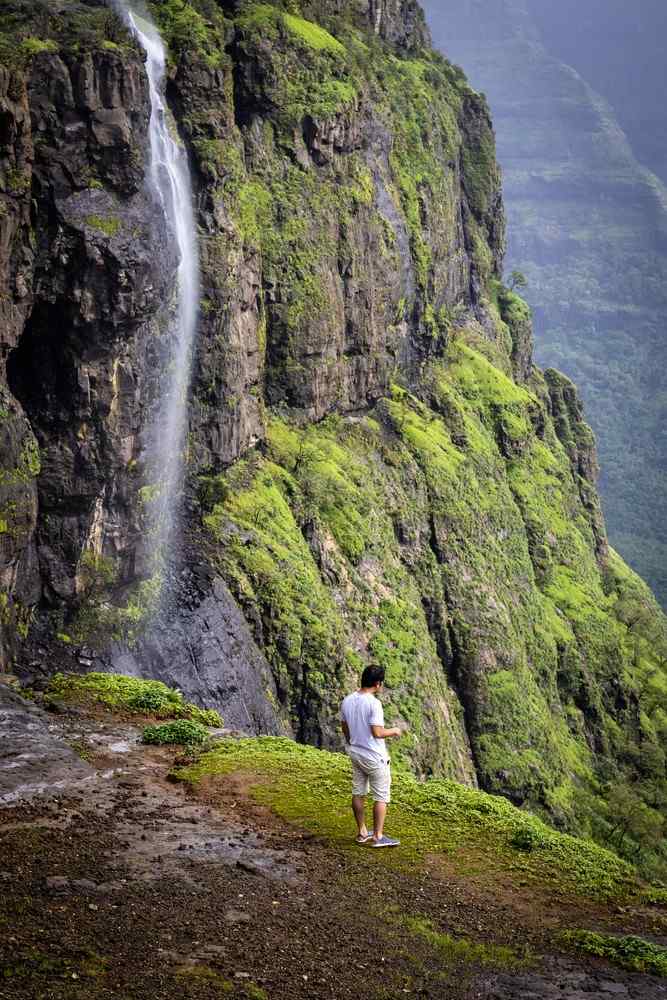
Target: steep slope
(588, 226)
(376, 470)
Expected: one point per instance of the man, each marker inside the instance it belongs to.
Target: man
(362, 719)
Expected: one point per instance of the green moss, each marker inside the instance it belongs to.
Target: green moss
(33, 46)
(460, 951)
(480, 177)
(501, 402)
(128, 694)
(185, 29)
(310, 73)
(311, 788)
(205, 974)
(183, 731)
(26, 31)
(108, 224)
(628, 951)
(99, 621)
(18, 181)
(312, 35)
(254, 992)
(302, 629)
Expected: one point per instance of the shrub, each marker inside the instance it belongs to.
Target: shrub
(182, 731)
(527, 838)
(629, 951)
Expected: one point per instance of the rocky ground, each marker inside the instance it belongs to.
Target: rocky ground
(118, 883)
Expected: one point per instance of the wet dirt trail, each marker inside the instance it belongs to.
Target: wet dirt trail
(117, 883)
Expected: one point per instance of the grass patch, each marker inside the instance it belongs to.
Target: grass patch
(629, 951)
(462, 951)
(313, 35)
(107, 224)
(127, 694)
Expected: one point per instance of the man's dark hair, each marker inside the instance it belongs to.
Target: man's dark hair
(372, 676)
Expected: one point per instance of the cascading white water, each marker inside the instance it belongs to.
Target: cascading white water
(172, 188)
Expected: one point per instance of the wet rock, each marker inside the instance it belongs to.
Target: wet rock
(85, 885)
(33, 761)
(57, 883)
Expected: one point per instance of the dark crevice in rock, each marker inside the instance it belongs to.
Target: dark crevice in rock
(458, 675)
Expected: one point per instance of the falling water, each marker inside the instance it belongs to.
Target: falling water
(172, 189)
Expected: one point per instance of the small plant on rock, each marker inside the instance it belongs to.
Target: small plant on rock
(183, 732)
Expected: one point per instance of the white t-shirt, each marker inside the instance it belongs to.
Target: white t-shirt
(360, 712)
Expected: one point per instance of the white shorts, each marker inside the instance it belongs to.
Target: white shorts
(369, 774)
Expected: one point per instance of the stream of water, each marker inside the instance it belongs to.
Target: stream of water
(172, 188)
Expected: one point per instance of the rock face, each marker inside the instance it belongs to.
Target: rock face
(588, 221)
(376, 470)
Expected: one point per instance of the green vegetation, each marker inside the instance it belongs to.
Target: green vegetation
(98, 620)
(128, 694)
(517, 279)
(108, 224)
(628, 951)
(324, 531)
(27, 468)
(28, 964)
(310, 787)
(312, 35)
(185, 29)
(184, 732)
(31, 27)
(462, 951)
(207, 975)
(33, 46)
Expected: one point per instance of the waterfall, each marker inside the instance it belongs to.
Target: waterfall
(172, 189)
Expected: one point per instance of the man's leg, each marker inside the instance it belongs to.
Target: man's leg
(379, 813)
(359, 810)
(380, 786)
(359, 793)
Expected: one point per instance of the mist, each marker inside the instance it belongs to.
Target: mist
(576, 91)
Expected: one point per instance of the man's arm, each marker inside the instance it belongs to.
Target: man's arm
(380, 733)
(346, 730)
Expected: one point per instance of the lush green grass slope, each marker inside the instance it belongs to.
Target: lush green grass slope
(310, 788)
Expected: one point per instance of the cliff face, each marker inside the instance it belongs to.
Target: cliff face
(588, 227)
(375, 468)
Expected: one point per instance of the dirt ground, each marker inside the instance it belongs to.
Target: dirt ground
(121, 884)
